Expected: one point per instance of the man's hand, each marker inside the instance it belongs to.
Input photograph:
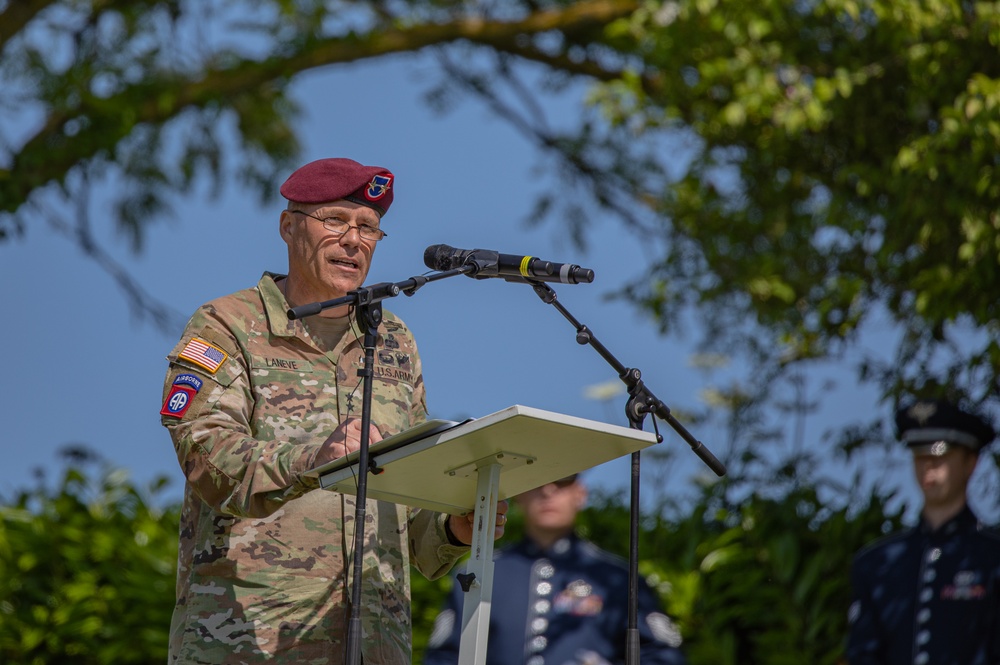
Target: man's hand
(345, 440)
(462, 527)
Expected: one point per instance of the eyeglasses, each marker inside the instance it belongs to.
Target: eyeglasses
(340, 227)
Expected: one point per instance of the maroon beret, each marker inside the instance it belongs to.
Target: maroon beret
(336, 178)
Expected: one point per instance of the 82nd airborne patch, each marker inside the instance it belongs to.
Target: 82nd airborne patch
(185, 387)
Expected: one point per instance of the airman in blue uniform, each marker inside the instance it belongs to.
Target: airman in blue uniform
(557, 598)
(930, 595)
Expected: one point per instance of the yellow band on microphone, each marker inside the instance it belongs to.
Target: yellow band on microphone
(524, 265)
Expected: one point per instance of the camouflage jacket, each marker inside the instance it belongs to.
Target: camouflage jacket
(262, 566)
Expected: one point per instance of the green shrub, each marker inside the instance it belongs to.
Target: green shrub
(86, 572)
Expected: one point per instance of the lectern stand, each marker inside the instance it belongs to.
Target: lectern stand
(458, 468)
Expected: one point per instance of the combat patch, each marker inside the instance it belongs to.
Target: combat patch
(394, 366)
(204, 354)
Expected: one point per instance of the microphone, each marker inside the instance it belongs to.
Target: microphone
(510, 267)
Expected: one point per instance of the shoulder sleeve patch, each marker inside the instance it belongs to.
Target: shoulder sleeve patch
(178, 400)
(204, 354)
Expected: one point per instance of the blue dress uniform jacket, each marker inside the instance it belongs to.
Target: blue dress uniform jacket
(925, 597)
(565, 606)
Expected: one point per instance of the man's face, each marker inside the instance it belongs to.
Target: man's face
(552, 508)
(943, 479)
(321, 264)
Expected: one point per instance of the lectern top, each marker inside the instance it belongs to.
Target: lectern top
(435, 465)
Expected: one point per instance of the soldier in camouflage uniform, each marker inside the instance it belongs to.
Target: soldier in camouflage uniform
(252, 401)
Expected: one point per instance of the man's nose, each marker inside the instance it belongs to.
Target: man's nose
(352, 236)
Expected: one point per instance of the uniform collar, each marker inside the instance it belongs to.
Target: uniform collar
(562, 548)
(276, 308)
(963, 521)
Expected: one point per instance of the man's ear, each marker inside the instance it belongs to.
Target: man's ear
(973, 461)
(285, 222)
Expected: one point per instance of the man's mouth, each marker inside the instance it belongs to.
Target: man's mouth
(345, 262)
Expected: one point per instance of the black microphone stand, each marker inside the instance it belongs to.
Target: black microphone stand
(367, 303)
(640, 402)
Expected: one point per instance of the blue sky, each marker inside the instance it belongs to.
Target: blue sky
(81, 369)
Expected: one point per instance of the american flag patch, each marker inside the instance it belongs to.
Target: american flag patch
(202, 353)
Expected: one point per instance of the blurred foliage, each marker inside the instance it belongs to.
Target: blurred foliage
(843, 170)
(771, 581)
(86, 570)
(765, 581)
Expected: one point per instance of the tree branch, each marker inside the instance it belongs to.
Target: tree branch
(17, 15)
(604, 186)
(50, 153)
(141, 303)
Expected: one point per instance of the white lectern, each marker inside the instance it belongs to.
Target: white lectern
(456, 468)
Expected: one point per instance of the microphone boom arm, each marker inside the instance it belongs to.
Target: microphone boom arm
(367, 295)
(642, 400)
